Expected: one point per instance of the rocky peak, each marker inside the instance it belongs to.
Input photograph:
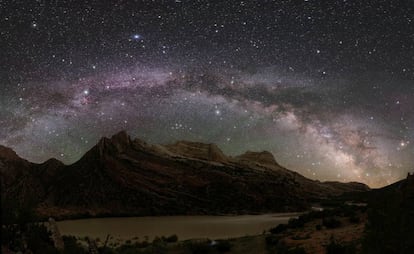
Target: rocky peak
(197, 150)
(263, 157)
(53, 163)
(121, 141)
(49, 169)
(118, 143)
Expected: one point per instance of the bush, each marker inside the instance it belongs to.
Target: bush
(274, 245)
(390, 223)
(142, 244)
(296, 223)
(223, 246)
(282, 248)
(199, 247)
(38, 239)
(271, 240)
(11, 237)
(331, 222)
(336, 248)
(72, 246)
(278, 229)
(171, 239)
(158, 246)
(301, 237)
(318, 227)
(354, 219)
(104, 250)
(349, 211)
(36, 235)
(296, 250)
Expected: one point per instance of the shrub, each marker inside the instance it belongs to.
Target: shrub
(301, 237)
(38, 239)
(390, 223)
(143, 244)
(331, 222)
(282, 248)
(296, 223)
(72, 246)
(11, 237)
(199, 247)
(103, 250)
(336, 248)
(223, 246)
(348, 211)
(271, 240)
(354, 219)
(296, 250)
(171, 239)
(158, 246)
(278, 229)
(126, 249)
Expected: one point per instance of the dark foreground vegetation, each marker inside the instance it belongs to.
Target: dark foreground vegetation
(327, 219)
(390, 226)
(21, 232)
(386, 223)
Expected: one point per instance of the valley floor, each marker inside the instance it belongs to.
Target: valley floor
(310, 235)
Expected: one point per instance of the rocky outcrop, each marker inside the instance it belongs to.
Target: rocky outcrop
(264, 157)
(196, 150)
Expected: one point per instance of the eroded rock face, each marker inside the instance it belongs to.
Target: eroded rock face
(118, 143)
(263, 157)
(121, 141)
(196, 150)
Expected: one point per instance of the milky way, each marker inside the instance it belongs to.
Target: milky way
(327, 88)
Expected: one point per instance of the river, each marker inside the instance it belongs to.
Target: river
(185, 227)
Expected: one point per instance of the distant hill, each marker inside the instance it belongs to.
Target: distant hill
(120, 176)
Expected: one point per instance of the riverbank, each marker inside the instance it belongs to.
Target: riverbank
(314, 232)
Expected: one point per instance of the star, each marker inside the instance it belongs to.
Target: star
(136, 37)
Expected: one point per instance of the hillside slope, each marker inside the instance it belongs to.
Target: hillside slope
(121, 176)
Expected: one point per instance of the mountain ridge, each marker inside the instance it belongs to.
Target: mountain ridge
(124, 176)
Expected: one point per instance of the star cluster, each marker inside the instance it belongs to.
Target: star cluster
(327, 87)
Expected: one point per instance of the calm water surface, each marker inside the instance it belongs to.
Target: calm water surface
(185, 227)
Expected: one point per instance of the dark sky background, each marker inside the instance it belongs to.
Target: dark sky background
(326, 86)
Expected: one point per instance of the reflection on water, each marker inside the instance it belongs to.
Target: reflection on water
(185, 227)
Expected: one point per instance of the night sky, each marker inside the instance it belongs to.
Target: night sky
(326, 86)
